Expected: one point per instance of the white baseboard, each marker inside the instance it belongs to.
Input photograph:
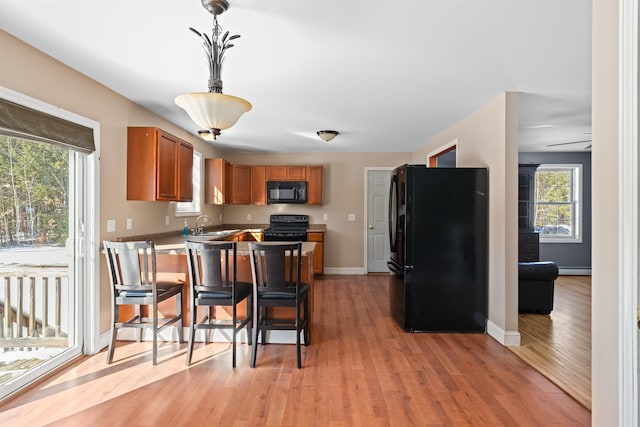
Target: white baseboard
(506, 338)
(345, 270)
(574, 271)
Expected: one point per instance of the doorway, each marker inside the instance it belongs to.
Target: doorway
(48, 298)
(377, 207)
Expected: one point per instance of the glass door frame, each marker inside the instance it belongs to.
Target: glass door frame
(85, 245)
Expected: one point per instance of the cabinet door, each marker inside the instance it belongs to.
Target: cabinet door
(240, 184)
(318, 253)
(296, 173)
(276, 173)
(258, 185)
(167, 167)
(216, 183)
(185, 172)
(314, 185)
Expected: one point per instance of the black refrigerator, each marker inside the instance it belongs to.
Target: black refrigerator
(438, 239)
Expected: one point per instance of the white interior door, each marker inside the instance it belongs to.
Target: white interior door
(377, 220)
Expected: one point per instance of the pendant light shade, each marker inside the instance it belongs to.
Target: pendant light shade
(215, 111)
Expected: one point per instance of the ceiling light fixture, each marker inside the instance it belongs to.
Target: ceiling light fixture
(214, 110)
(327, 135)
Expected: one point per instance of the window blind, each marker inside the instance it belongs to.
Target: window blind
(24, 122)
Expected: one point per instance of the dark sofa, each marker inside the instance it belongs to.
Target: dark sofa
(535, 286)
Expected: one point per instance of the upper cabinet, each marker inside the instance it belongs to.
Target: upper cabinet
(240, 185)
(314, 185)
(216, 184)
(227, 183)
(159, 166)
(286, 173)
(258, 185)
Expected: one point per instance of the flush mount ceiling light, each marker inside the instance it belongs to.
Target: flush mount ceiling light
(327, 135)
(214, 110)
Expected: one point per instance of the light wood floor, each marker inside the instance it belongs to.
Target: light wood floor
(360, 370)
(559, 345)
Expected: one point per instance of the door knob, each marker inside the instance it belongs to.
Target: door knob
(371, 227)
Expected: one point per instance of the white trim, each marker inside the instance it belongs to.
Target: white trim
(506, 338)
(198, 190)
(576, 201)
(628, 211)
(452, 143)
(366, 211)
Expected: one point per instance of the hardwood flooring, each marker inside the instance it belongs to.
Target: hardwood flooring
(559, 345)
(361, 369)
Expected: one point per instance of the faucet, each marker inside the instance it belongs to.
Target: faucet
(199, 229)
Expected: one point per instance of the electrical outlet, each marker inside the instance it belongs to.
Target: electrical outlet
(129, 223)
(351, 217)
(166, 220)
(248, 217)
(325, 217)
(220, 217)
(111, 225)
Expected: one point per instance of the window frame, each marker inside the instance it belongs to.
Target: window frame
(575, 202)
(194, 207)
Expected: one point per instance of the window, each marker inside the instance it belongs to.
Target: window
(558, 204)
(193, 207)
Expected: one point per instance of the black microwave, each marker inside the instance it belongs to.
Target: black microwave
(286, 192)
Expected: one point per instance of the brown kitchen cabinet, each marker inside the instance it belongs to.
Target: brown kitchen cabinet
(318, 254)
(216, 184)
(159, 166)
(240, 193)
(258, 185)
(286, 173)
(314, 185)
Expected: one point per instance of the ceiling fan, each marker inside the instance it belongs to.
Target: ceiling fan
(573, 142)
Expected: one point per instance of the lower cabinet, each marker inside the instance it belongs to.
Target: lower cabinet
(318, 256)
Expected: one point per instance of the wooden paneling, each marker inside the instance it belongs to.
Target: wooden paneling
(361, 369)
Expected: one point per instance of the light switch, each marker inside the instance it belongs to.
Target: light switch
(129, 223)
(351, 217)
(325, 217)
(111, 225)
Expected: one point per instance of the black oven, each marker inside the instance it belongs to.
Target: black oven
(286, 192)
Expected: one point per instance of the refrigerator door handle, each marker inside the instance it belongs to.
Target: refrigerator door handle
(393, 225)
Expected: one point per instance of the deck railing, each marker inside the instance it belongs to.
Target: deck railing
(31, 308)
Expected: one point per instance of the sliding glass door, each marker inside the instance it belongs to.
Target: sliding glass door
(42, 211)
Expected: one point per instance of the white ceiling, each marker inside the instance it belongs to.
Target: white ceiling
(388, 75)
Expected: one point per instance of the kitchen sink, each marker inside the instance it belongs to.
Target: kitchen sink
(210, 235)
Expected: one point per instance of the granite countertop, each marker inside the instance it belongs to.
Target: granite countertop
(225, 230)
(175, 246)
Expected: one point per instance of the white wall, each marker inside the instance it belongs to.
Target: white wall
(605, 358)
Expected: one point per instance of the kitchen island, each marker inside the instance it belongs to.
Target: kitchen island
(172, 264)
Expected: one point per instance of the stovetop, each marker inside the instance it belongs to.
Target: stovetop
(288, 223)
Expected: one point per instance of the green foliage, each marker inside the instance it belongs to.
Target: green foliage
(553, 199)
(34, 192)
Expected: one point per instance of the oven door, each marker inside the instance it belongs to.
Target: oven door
(284, 237)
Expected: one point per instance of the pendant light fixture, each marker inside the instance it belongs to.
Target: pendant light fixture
(213, 110)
